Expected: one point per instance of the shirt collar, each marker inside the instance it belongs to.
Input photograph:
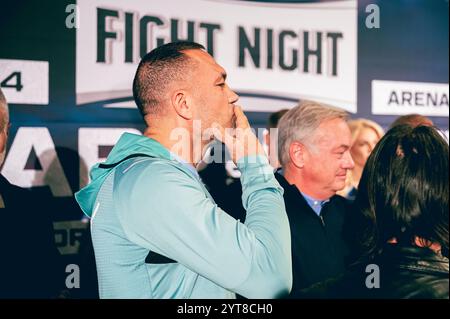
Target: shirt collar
(313, 201)
(315, 204)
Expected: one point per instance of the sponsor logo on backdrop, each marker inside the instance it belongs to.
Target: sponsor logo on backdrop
(68, 235)
(24, 82)
(299, 51)
(93, 147)
(401, 98)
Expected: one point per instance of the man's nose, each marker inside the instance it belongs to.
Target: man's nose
(233, 97)
(349, 163)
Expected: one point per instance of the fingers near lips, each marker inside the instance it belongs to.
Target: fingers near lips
(241, 119)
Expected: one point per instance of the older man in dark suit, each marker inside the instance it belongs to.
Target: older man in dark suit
(29, 259)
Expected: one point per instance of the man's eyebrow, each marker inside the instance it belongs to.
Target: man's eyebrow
(223, 75)
(344, 146)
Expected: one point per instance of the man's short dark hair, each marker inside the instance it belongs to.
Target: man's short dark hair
(403, 192)
(157, 70)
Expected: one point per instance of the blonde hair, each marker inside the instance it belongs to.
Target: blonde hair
(356, 126)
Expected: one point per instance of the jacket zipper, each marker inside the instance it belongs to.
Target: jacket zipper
(322, 220)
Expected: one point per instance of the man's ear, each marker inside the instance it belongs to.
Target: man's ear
(297, 154)
(3, 140)
(181, 104)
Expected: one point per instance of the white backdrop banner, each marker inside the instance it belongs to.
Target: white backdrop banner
(271, 51)
(401, 98)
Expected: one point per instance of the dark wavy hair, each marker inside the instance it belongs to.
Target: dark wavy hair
(403, 192)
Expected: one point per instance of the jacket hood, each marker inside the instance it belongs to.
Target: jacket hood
(128, 145)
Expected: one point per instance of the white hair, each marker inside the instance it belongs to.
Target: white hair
(300, 124)
(4, 112)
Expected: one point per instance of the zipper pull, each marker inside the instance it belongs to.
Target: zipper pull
(321, 219)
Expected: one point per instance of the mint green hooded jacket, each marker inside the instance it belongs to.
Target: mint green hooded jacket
(154, 203)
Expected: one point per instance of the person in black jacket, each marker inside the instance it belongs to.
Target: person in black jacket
(401, 232)
(314, 151)
(29, 266)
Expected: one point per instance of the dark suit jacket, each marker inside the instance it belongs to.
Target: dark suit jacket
(29, 259)
(318, 246)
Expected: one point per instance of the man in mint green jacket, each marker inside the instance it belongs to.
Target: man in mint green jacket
(157, 233)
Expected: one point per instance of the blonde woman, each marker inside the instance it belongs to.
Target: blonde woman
(365, 135)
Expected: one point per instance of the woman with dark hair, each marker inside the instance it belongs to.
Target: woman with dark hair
(400, 225)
